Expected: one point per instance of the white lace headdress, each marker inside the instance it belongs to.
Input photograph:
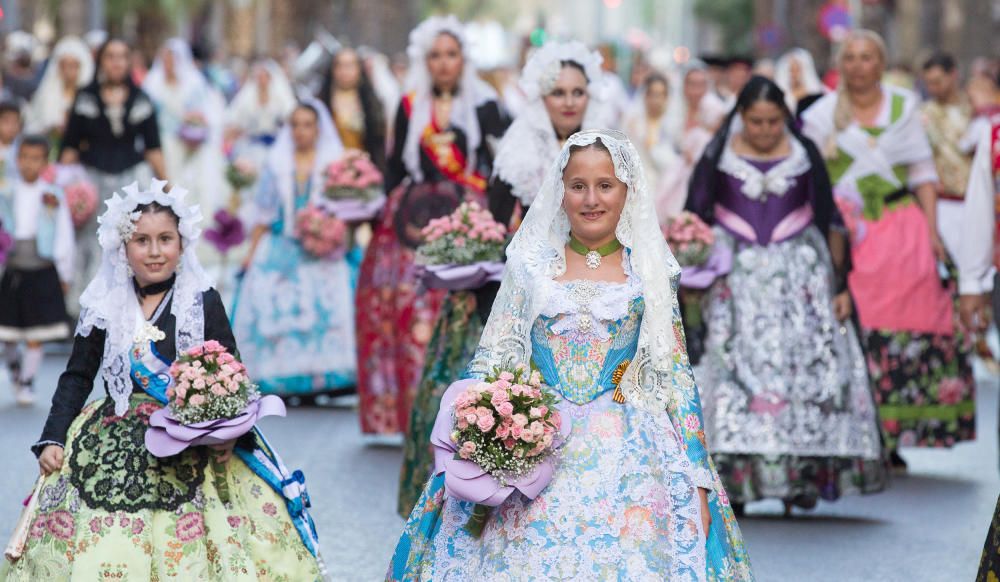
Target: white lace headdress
(472, 92)
(189, 78)
(109, 301)
(530, 144)
(538, 253)
(48, 109)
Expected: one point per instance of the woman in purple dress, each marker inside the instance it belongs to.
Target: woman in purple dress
(788, 409)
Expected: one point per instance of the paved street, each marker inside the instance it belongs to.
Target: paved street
(929, 526)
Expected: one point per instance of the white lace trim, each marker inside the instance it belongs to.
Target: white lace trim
(584, 300)
(542, 69)
(777, 181)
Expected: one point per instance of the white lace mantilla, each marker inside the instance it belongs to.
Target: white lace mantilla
(537, 255)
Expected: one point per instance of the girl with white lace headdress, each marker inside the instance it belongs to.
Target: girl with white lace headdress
(444, 136)
(694, 115)
(784, 381)
(294, 313)
(561, 80)
(190, 113)
(795, 72)
(258, 110)
(202, 514)
(69, 68)
(649, 128)
(589, 290)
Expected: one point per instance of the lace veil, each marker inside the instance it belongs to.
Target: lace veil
(537, 252)
(472, 92)
(109, 302)
(530, 144)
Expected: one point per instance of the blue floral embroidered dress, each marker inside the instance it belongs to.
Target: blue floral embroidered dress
(623, 503)
(294, 315)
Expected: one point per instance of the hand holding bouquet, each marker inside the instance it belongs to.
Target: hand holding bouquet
(690, 239)
(353, 187)
(79, 191)
(322, 234)
(494, 437)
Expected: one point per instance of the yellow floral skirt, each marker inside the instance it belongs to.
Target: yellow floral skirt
(115, 512)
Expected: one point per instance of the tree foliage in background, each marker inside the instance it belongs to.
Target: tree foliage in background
(734, 19)
(468, 10)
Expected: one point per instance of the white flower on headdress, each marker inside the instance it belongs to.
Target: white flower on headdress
(542, 69)
(126, 225)
(548, 77)
(117, 224)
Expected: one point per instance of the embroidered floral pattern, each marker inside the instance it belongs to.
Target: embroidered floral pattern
(251, 538)
(113, 471)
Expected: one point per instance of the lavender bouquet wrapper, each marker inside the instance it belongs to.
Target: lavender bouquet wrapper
(355, 210)
(166, 436)
(460, 277)
(467, 481)
(719, 264)
(193, 135)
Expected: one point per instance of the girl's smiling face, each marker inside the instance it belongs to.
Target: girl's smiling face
(155, 248)
(594, 196)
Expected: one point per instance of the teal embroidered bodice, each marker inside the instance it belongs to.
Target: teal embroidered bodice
(578, 351)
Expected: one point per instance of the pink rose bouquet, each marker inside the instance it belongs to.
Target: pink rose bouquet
(504, 431)
(78, 189)
(468, 235)
(689, 238)
(209, 383)
(322, 234)
(210, 401)
(82, 199)
(352, 177)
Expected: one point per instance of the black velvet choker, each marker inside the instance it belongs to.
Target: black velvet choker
(155, 288)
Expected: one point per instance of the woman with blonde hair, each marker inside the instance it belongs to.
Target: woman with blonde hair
(883, 173)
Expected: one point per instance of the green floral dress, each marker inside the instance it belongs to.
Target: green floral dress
(115, 512)
(451, 348)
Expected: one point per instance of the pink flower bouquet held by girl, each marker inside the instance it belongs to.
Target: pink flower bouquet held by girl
(321, 233)
(210, 401)
(494, 437)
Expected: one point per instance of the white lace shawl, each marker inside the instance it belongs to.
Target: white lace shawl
(246, 105)
(472, 92)
(49, 106)
(537, 255)
(109, 301)
(759, 185)
(529, 146)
